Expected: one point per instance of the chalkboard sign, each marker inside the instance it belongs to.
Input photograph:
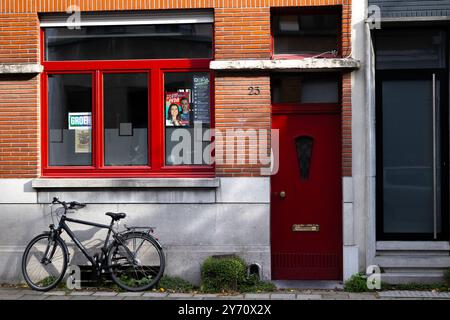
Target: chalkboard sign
(201, 98)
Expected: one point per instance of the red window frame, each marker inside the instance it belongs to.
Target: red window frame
(337, 10)
(156, 68)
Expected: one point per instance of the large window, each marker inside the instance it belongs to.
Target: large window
(140, 105)
(307, 33)
(412, 134)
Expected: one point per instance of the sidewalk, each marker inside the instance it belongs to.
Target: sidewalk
(27, 294)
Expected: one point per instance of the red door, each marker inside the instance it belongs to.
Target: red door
(306, 202)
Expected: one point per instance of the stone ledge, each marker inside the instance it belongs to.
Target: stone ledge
(24, 68)
(126, 183)
(307, 64)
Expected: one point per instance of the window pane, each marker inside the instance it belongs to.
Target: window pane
(305, 88)
(69, 119)
(308, 34)
(187, 118)
(129, 42)
(126, 119)
(408, 156)
(410, 49)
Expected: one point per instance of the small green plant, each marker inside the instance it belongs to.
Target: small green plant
(47, 281)
(253, 284)
(357, 283)
(229, 274)
(222, 274)
(447, 277)
(175, 284)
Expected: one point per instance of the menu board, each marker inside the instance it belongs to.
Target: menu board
(201, 98)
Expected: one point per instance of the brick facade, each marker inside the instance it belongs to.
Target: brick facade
(242, 31)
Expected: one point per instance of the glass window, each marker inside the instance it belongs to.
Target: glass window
(129, 42)
(70, 119)
(305, 88)
(408, 156)
(410, 49)
(306, 34)
(126, 119)
(187, 118)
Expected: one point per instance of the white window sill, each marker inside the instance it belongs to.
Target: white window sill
(22, 68)
(43, 183)
(306, 64)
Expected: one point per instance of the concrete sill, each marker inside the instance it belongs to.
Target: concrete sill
(126, 183)
(307, 64)
(413, 246)
(22, 68)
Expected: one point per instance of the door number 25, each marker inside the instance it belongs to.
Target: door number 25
(254, 91)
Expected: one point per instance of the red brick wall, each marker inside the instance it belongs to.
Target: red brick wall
(242, 31)
(19, 98)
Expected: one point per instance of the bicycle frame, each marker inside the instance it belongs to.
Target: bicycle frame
(63, 226)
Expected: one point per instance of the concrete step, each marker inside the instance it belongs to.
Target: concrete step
(412, 277)
(413, 261)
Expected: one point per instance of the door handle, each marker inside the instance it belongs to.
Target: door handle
(282, 194)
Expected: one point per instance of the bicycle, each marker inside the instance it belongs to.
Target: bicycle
(134, 258)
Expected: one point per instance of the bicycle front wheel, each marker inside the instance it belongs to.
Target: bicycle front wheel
(136, 262)
(44, 262)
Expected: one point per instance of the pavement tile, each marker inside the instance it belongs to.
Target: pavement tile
(308, 297)
(33, 297)
(258, 296)
(180, 295)
(58, 298)
(55, 293)
(130, 294)
(362, 296)
(282, 296)
(105, 294)
(335, 296)
(154, 295)
(81, 293)
(82, 297)
(109, 298)
(10, 296)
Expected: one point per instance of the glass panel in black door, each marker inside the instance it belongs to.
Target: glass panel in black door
(409, 160)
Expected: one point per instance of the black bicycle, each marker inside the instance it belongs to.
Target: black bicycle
(133, 258)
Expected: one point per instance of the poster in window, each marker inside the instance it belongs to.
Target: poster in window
(82, 141)
(178, 108)
(201, 98)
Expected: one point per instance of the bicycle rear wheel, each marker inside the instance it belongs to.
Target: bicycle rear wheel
(137, 263)
(44, 262)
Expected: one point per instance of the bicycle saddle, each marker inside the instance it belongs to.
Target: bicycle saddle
(116, 216)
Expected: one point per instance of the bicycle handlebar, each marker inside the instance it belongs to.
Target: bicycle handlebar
(68, 205)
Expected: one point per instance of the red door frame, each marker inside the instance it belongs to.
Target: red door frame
(155, 68)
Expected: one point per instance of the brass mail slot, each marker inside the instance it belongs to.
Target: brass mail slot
(305, 228)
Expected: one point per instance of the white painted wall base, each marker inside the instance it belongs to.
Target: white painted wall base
(351, 265)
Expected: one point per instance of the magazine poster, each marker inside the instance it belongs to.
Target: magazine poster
(178, 108)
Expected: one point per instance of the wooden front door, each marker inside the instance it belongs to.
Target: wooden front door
(306, 200)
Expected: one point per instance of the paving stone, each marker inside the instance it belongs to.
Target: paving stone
(282, 296)
(109, 297)
(10, 296)
(180, 295)
(362, 296)
(130, 294)
(105, 294)
(206, 296)
(257, 296)
(155, 294)
(335, 296)
(83, 297)
(55, 293)
(82, 293)
(235, 297)
(33, 297)
(308, 297)
(58, 298)
(414, 294)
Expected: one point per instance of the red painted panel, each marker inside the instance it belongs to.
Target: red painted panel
(316, 199)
